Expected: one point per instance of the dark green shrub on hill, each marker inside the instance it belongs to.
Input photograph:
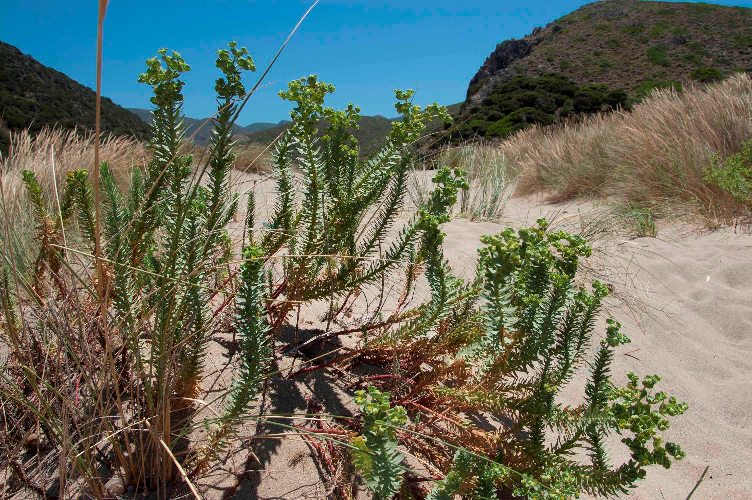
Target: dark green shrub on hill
(706, 75)
(523, 101)
(657, 54)
(517, 120)
(648, 86)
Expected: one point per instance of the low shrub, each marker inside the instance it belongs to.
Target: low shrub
(647, 87)
(641, 221)
(733, 174)
(504, 346)
(706, 75)
(525, 101)
(657, 54)
(634, 29)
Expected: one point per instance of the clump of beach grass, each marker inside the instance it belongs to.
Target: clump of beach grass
(654, 156)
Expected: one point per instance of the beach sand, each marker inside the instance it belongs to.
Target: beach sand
(685, 300)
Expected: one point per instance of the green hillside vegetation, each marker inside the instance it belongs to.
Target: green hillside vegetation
(524, 101)
(623, 44)
(370, 133)
(34, 96)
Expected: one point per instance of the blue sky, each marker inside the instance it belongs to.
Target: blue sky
(366, 48)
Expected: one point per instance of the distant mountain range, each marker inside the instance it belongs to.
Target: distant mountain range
(200, 128)
(33, 96)
(371, 133)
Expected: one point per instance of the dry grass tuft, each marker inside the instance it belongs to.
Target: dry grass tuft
(50, 154)
(253, 158)
(490, 174)
(53, 152)
(654, 156)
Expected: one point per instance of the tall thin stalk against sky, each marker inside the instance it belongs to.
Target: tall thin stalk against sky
(95, 171)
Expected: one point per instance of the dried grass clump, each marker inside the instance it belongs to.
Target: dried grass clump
(52, 152)
(654, 156)
(253, 158)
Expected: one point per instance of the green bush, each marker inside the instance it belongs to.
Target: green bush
(523, 101)
(697, 47)
(648, 86)
(660, 28)
(733, 174)
(692, 58)
(504, 346)
(634, 29)
(517, 120)
(706, 75)
(613, 43)
(679, 31)
(658, 54)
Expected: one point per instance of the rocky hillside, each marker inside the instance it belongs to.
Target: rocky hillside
(33, 96)
(627, 44)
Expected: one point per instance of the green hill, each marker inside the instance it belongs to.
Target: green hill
(627, 45)
(34, 96)
(370, 134)
(200, 130)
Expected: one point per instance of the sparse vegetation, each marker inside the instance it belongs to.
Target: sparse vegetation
(733, 174)
(647, 87)
(641, 220)
(706, 75)
(634, 29)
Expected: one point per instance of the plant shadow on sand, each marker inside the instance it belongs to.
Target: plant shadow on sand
(284, 466)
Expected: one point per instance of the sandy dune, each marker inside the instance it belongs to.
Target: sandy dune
(685, 299)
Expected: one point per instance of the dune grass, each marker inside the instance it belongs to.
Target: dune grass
(647, 163)
(53, 152)
(491, 179)
(655, 156)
